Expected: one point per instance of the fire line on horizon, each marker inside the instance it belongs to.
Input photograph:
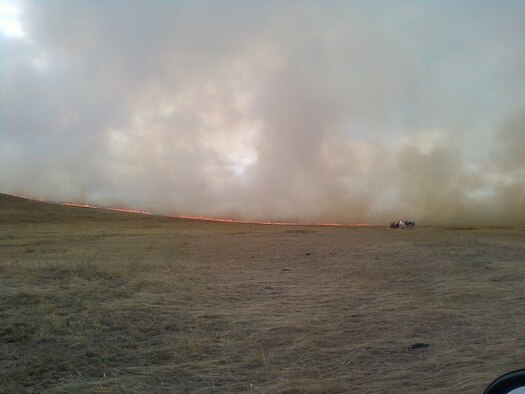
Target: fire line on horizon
(192, 217)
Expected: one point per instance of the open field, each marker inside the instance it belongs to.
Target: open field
(98, 301)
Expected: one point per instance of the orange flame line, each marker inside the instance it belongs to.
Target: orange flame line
(201, 218)
(224, 220)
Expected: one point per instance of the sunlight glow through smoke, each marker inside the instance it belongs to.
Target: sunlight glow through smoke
(9, 20)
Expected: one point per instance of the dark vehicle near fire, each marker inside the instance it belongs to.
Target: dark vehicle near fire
(402, 224)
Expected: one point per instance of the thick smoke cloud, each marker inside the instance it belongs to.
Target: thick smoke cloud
(296, 111)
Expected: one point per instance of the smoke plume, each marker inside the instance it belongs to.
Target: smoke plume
(311, 111)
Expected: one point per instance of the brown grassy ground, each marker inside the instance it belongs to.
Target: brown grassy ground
(96, 301)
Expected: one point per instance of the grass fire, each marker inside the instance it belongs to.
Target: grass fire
(222, 196)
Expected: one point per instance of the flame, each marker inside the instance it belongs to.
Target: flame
(224, 220)
(190, 217)
(212, 219)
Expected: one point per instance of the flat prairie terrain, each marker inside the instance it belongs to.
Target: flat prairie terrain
(98, 301)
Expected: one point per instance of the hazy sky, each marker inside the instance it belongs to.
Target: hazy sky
(288, 110)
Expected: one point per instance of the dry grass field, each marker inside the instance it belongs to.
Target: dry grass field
(98, 301)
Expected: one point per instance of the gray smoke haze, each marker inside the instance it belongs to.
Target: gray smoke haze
(300, 111)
